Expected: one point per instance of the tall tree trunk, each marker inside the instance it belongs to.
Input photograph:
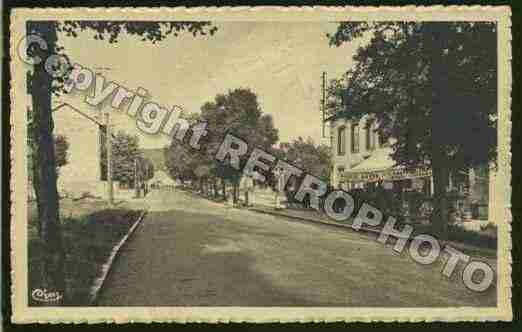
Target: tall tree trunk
(439, 161)
(36, 177)
(224, 188)
(136, 180)
(234, 192)
(215, 187)
(45, 165)
(440, 203)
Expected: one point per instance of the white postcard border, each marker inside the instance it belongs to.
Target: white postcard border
(24, 314)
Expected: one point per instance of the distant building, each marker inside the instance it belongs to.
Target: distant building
(83, 173)
(361, 159)
(161, 179)
(84, 133)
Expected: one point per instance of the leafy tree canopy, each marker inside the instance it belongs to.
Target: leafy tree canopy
(183, 162)
(237, 112)
(430, 85)
(152, 31)
(313, 159)
(125, 150)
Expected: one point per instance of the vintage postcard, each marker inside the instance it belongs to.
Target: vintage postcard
(262, 164)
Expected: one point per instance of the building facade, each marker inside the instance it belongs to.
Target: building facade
(361, 159)
(352, 143)
(82, 174)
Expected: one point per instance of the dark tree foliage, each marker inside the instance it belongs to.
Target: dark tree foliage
(60, 147)
(147, 169)
(432, 86)
(125, 150)
(313, 159)
(238, 112)
(182, 161)
(151, 31)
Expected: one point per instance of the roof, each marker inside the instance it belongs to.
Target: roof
(379, 160)
(381, 167)
(85, 115)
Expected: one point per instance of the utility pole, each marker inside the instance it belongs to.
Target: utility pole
(108, 144)
(323, 102)
(136, 185)
(108, 141)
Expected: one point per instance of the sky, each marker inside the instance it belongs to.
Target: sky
(282, 62)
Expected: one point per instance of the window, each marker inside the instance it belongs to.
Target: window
(382, 141)
(370, 137)
(340, 175)
(341, 141)
(355, 138)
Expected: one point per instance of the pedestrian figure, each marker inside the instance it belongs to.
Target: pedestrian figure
(248, 186)
(143, 189)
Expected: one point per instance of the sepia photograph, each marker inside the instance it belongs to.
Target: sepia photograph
(265, 165)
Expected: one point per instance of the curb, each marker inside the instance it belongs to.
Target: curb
(313, 220)
(476, 251)
(98, 282)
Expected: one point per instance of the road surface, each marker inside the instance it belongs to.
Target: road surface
(192, 252)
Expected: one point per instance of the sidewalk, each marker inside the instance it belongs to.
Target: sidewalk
(301, 214)
(310, 215)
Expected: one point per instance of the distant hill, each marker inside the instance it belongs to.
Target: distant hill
(156, 156)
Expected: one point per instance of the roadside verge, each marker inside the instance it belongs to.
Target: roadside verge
(91, 230)
(106, 267)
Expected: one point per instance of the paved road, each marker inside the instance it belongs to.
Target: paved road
(192, 252)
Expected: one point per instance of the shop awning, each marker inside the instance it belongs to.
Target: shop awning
(381, 167)
(379, 160)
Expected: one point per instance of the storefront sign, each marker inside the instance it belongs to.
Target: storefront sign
(391, 174)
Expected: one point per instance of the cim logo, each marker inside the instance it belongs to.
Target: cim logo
(42, 295)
